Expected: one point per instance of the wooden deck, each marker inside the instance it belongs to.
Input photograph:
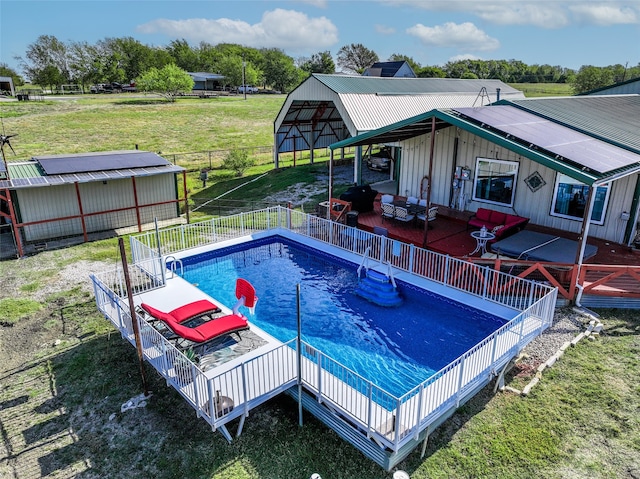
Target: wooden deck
(613, 273)
(448, 234)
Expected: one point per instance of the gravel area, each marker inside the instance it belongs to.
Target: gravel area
(567, 324)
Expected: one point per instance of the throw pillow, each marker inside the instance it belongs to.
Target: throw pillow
(496, 228)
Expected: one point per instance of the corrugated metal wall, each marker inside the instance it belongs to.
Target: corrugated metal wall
(534, 205)
(54, 202)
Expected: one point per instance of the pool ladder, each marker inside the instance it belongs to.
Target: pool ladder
(174, 261)
(364, 265)
(376, 287)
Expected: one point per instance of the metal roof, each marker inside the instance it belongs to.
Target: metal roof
(30, 174)
(410, 86)
(203, 76)
(614, 119)
(328, 108)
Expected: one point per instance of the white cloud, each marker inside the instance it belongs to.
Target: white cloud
(287, 29)
(462, 36)
(540, 13)
(384, 30)
(605, 14)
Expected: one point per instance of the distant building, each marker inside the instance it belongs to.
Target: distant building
(629, 87)
(399, 69)
(207, 81)
(6, 85)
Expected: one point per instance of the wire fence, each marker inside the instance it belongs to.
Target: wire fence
(263, 155)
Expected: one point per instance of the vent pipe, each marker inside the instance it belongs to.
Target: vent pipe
(497, 94)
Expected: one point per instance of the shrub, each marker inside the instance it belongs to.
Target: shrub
(238, 161)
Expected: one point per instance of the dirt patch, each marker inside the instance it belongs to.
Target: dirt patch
(299, 193)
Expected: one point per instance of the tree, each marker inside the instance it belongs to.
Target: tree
(167, 82)
(320, 62)
(184, 56)
(279, 70)
(356, 57)
(590, 78)
(49, 53)
(82, 63)
(430, 72)
(231, 68)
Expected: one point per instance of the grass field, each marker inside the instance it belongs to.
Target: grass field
(543, 89)
(64, 373)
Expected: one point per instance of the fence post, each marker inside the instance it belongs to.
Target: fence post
(486, 283)
(397, 424)
(319, 375)
(460, 380)
(416, 434)
(412, 252)
(370, 408)
(445, 280)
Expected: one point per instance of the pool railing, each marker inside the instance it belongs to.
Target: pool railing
(392, 423)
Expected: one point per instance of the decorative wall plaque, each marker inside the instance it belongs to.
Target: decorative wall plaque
(534, 181)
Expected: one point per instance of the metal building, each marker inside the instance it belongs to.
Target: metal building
(629, 87)
(325, 109)
(51, 197)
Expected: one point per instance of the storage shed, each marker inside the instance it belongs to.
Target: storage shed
(52, 197)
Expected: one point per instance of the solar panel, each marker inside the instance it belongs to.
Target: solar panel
(86, 162)
(582, 149)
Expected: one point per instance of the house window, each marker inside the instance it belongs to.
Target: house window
(495, 181)
(569, 200)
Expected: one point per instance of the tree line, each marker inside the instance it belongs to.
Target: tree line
(52, 63)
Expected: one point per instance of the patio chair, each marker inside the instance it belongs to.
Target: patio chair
(412, 200)
(402, 214)
(185, 312)
(386, 199)
(429, 215)
(201, 334)
(388, 211)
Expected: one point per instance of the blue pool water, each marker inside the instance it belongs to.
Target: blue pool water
(395, 348)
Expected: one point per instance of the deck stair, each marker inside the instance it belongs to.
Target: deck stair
(379, 288)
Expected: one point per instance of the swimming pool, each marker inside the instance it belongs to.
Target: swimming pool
(395, 348)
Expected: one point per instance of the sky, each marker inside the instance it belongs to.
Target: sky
(568, 33)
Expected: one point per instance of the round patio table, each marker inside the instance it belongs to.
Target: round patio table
(481, 241)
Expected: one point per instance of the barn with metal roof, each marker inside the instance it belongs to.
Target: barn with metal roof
(325, 109)
(51, 197)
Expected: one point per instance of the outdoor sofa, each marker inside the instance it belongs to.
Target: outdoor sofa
(500, 224)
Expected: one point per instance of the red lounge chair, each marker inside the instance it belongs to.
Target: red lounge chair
(204, 332)
(185, 312)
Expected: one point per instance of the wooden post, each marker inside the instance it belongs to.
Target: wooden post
(132, 312)
(84, 226)
(431, 148)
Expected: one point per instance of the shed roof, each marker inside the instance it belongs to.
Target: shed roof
(364, 85)
(26, 174)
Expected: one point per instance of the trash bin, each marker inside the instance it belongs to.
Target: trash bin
(352, 218)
